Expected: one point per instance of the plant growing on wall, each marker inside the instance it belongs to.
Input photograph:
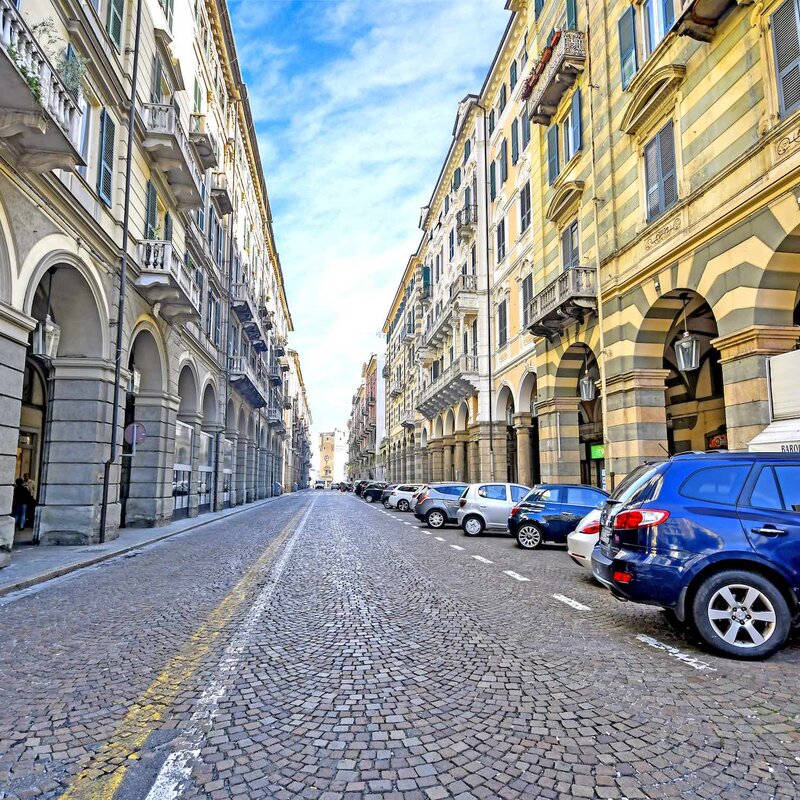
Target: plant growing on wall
(68, 62)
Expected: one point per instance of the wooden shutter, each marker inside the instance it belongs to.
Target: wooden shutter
(666, 152)
(515, 141)
(168, 10)
(512, 75)
(492, 180)
(467, 149)
(570, 252)
(552, 153)
(504, 161)
(114, 21)
(786, 41)
(426, 277)
(575, 122)
(156, 95)
(501, 323)
(627, 46)
(150, 211)
(527, 296)
(105, 169)
(198, 98)
(491, 122)
(651, 178)
(526, 129)
(168, 227)
(537, 8)
(572, 15)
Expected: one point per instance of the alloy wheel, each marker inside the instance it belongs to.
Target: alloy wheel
(435, 519)
(742, 615)
(529, 537)
(473, 526)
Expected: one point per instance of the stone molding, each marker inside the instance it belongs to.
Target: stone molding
(755, 340)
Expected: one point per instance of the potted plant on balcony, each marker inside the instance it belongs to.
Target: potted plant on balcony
(70, 65)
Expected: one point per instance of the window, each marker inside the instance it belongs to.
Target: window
(518, 493)
(789, 482)
(198, 97)
(660, 178)
(492, 492)
(659, 17)
(512, 75)
(716, 484)
(504, 161)
(492, 180)
(572, 15)
(539, 495)
(552, 154)
(475, 337)
(525, 124)
(491, 122)
(515, 141)
(525, 207)
(105, 171)
(765, 493)
(457, 178)
(209, 313)
(572, 128)
(501, 101)
(151, 212)
(501, 240)
(570, 246)
(473, 259)
(467, 149)
(157, 82)
(446, 204)
(578, 496)
(86, 128)
(627, 46)
(502, 324)
(527, 296)
(452, 244)
(114, 21)
(786, 42)
(166, 5)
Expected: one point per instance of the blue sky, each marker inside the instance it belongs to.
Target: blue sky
(354, 102)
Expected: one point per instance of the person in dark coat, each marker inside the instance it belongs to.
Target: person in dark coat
(21, 500)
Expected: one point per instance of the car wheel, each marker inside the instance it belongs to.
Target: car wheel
(529, 537)
(386, 504)
(369, 498)
(741, 614)
(435, 519)
(473, 526)
(402, 505)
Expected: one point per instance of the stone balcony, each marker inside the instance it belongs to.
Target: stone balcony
(220, 193)
(275, 419)
(467, 221)
(396, 389)
(244, 305)
(464, 293)
(39, 117)
(168, 146)
(165, 279)
(248, 380)
(457, 382)
(280, 347)
(275, 375)
(698, 19)
(564, 301)
(204, 144)
(439, 328)
(408, 420)
(557, 69)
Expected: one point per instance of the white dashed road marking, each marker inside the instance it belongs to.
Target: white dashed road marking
(456, 547)
(691, 661)
(515, 575)
(483, 560)
(439, 539)
(570, 602)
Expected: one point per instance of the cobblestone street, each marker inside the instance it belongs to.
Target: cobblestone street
(321, 647)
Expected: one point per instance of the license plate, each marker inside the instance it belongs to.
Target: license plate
(605, 535)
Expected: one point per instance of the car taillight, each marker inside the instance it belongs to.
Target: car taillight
(646, 518)
(622, 577)
(422, 498)
(462, 502)
(515, 509)
(592, 527)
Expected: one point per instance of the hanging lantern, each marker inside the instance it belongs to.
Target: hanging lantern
(588, 388)
(46, 336)
(135, 381)
(687, 352)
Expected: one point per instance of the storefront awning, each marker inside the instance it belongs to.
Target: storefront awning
(782, 436)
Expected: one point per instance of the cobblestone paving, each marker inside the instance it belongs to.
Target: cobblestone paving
(359, 655)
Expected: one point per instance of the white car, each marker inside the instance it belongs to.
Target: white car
(401, 496)
(582, 540)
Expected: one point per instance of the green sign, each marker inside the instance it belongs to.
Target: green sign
(598, 451)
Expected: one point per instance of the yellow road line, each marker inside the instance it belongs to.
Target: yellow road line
(104, 774)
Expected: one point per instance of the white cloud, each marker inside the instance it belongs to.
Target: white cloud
(355, 104)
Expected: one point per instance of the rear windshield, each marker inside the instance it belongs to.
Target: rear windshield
(640, 485)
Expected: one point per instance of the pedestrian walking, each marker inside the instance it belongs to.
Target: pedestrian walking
(21, 500)
(30, 484)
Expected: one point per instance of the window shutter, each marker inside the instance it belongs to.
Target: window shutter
(502, 102)
(168, 10)
(566, 248)
(666, 150)
(168, 227)
(572, 15)
(512, 75)
(786, 40)
(526, 129)
(552, 153)
(155, 89)
(467, 149)
(198, 98)
(651, 178)
(627, 46)
(426, 277)
(537, 8)
(150, 211)
(493, 180)
(114, 21)
(527, 296)
(515, 141)
(105, 170)
(491, 122)
(501, 323)
(575, 122)
(669, 14)
(504, 161)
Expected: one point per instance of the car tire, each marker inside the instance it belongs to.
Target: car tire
(369, 498)
(386, 504)
(529, 537)
(473, 525)
(402, 505)
(435, 519)
(723, 614)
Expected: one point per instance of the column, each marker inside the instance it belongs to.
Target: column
(262, 472)
(743, 355)
(149, 501)
(460, 457)
(218, 431)
(196, 421)
(522, 426)
(447, 459)
(250, 494)
(233, 494)
(241, 476)
(436, 447)
(14, 332)
(474, 449)
(492, 452)
(559, 440)
(410, 471)
(420, 464)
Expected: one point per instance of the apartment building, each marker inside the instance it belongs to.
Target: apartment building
(366, 426)
(200, 401)
(298, 423)
(332, 456)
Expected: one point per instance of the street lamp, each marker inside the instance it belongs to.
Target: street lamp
(687, 347)
(46, 336)
(134, 382)
(587, 384)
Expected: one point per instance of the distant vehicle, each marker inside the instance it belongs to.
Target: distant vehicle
(319, 484)
(437, 504)
(551, 511)
(372, 491)
(485, 506)
(713, 538)
(400, 497)
(334, 486)
(360, 487)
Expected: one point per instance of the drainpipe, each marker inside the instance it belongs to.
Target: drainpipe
(123, 276)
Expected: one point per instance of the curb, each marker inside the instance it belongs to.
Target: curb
(89, 562)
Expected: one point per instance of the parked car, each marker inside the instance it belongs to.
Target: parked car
(714, 538)
(360, 487)
(400, 497)
(437, 503)
(319, 484)
(551, 511)
(485, 506)
(387, 490)
(334, 487)
(372, 492)
(345, 487)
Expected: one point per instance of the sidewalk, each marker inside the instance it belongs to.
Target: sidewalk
(31, 565)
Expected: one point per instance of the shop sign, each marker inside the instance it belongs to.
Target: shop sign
(717, 441)
(597, 451)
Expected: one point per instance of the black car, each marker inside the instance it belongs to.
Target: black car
(372, 492)
(360, 487)
(551, 511)
(437, 504)
(387, 490)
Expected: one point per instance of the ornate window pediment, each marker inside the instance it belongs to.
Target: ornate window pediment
(564, 200)
(651, 96)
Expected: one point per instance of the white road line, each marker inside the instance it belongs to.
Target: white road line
(177, 769)
(456, 547)
(694, 663)
(515, 575)
(483, 560)
(439, 539)
(427, 533)
(406, 523)
(570, 602)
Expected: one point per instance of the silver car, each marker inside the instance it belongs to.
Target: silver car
(437, 504)
(487, 506)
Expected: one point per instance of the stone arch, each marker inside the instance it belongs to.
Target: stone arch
(424, 437)
(527, 392)
(210, 406)
(462, 416)
(6, 255)
(147, 355)
(449, 424)
(187, 389)
(241, 423)
(778, 296)
(574, 362)
(505, 395)
(438, 428)
(230, 416)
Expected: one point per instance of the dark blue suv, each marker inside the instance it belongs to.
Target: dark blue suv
(713, 538)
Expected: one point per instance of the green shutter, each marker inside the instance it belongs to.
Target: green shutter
(156, 95)
(575, 121)
(114, 21)
(515, 141)
(493, 180)
(651, 178)
(572, 15)
(168, 227)
(552, 153)
(627, 46)
(666, 153)
(785, 26)
(526, 129)
(105, 169)
(504, 161)
(150, 211)
(198, 99)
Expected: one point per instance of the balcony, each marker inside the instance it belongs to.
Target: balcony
(220, 194)
(558, 68)
(203, 141)
(275, 419)
(408, 336)
(698, 18)
(164, 279)
(467, 221)
(464, 293)
(425, 292)
(287, 403)
(244, 306)
(167, 144)
(395, 390)
(275, 376)
(457, 382)
(567, 299)
(248, 381)
(386, 371)
(266, 316)
(39, 117)
(280, 347)
(439, 327)
(283, 363)
(408, 420)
